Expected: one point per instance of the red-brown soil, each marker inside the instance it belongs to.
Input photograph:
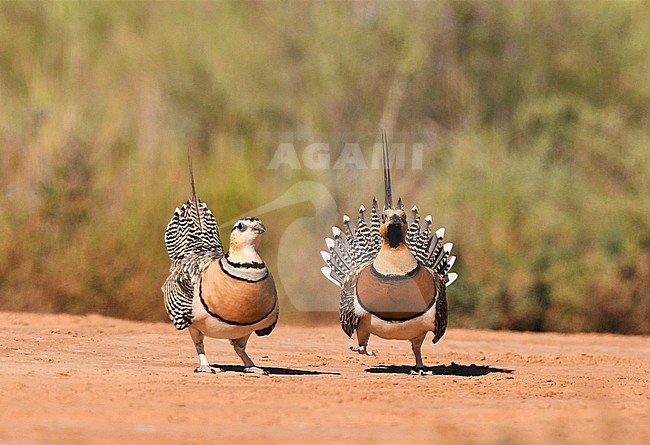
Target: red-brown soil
(96, 380)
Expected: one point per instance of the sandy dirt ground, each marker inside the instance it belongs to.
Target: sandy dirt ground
(96, 380)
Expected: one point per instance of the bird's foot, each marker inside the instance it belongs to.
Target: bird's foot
(255, 370)
(209, 369)
(362, 350)
(418, 371)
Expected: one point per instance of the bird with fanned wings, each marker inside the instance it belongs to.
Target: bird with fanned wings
(393, 271)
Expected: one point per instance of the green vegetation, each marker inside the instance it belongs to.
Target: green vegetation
(535, 119)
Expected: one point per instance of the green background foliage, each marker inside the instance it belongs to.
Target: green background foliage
(534, 116)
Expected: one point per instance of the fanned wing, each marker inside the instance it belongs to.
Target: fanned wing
(192, 241)
(428, 247)
(190, 231)
(357, 246)
(348, 253)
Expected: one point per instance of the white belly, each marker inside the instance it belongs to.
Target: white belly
(403, 330)
(215, 328)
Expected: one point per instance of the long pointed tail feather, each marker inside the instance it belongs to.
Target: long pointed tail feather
(194, 198)
(388, 193)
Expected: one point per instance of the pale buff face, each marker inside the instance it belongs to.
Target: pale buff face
(247, 232)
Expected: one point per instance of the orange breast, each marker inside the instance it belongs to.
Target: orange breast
(396, 298)
(236, 300)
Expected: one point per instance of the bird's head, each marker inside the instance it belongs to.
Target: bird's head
(393, 227)
(246, 233)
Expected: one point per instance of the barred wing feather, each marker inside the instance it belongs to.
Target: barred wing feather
(428, 248)
(189, 231)
(357, 246)
(348, 253)
(347, 315)
(192, 241)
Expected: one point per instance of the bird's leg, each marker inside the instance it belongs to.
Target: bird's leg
(204, 366)
(240, 348)
(363, 335)
(416, 345)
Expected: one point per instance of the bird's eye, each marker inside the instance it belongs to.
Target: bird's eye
(383, 217)
(241, 226)
(403, 218)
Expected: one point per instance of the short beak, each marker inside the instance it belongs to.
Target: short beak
(394, 219)
(259, 228)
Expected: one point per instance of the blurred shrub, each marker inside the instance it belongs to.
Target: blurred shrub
(535, 117)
